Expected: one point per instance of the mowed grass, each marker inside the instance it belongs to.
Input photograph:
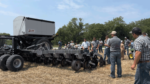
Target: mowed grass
(33, 73)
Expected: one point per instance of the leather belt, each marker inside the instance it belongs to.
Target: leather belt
(144, 61)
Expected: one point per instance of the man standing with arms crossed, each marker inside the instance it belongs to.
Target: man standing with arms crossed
(141, 57)
(95, 45)
(115, 54)
(107, 50)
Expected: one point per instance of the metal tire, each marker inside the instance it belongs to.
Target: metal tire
(15, 63)
(3, 60)
(96, 63)
(76, 65)
(54, 62)
(46, 61)
(101, 62)
(63, 62)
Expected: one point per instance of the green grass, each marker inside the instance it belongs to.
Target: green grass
(55, 45)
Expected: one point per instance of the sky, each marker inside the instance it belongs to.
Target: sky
(62, 11)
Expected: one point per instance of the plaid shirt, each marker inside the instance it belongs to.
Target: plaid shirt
(142, 44)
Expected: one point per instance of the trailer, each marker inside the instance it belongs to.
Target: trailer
(32, 42)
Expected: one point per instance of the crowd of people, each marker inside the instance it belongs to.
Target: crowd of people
(115, 49)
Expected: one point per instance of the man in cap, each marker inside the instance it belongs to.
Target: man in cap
(95, 45)
(126, 45)
(141, 57)
(86, 46)
(144, 34)
(115, 54)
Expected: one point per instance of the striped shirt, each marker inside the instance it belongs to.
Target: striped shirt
(142, 44)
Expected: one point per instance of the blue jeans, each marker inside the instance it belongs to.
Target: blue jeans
(142, 75)
(59, 47)
(131, 46)
(127, 49)
(100, 49)
(94, 50)
(86, 50)
(115, 57)
(107, 52)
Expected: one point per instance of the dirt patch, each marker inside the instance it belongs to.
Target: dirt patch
(33, 73)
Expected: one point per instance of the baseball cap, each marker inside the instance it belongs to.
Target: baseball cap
(136, 30)
(113, 32)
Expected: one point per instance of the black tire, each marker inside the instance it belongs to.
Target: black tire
(101, 62)
(11, 65)
(63, 62)
(76, 65)
(46, 61)
(96, 63)
(87, 65)
(38, 60)
(3, 60)
(54, 62)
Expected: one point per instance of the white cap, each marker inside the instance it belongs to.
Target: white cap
(113, 32)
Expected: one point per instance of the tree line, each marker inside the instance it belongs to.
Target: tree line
(5, 41)
(76, 30)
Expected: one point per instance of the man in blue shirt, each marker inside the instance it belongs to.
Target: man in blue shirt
(59, 44)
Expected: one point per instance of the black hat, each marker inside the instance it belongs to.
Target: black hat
(136, 30)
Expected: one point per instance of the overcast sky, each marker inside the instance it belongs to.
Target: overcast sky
(62, 11)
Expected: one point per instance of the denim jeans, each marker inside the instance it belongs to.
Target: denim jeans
(127, 49)
(142, 75)
(100, 49)
(86, 50)
(115, 57)
(59, 47)
(94, 50)
(107, 52)
(131, 46)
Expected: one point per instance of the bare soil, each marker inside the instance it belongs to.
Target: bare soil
(33, 73)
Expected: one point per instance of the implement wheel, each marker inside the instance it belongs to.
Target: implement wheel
(96, 63)
(3, 60)
(15, 63)
(63, 62)
(54, 62)
(76, 65)
(101, 61)
(131, 56)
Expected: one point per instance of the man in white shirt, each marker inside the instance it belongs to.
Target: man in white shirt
(72, 44)
(86, 46)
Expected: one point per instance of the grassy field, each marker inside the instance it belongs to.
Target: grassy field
(33, 73)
